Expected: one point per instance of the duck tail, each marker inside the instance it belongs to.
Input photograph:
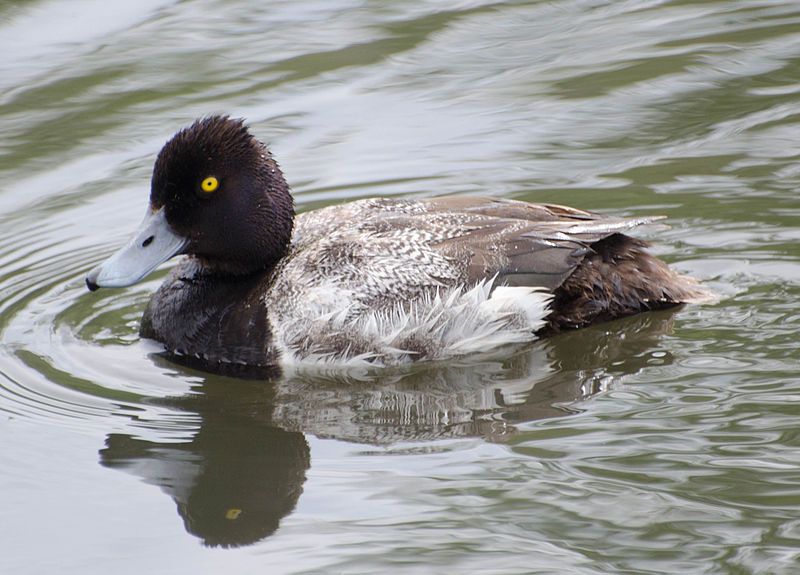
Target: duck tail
(619, 278)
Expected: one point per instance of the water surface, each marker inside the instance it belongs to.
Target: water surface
(664, 443)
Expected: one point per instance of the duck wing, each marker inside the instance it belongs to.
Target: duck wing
(595, 271)
(522, 244)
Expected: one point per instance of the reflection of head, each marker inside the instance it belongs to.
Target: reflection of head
(240, 498)
(232, 483)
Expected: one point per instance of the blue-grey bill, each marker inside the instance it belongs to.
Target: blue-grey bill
(152, 244)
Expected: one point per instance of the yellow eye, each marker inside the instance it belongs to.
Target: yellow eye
(209, 185)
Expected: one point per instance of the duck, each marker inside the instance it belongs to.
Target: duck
(378, 281)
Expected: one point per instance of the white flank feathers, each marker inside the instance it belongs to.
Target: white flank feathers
(441, 324)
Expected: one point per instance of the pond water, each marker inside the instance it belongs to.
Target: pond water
(665, 443)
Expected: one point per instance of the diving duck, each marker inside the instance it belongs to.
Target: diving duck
(376, 281)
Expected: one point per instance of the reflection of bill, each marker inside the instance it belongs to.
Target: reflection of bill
(244, 470)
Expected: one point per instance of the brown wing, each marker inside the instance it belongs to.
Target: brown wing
(525, 244)
(596, 272)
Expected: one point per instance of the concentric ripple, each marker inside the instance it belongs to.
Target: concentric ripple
(69, 356)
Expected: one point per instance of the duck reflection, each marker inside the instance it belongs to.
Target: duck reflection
(244, 470)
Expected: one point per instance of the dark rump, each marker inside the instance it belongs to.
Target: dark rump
(618, 278)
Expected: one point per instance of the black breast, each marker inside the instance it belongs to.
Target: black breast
(220, 321)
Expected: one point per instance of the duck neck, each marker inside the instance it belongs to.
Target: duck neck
(220, 320)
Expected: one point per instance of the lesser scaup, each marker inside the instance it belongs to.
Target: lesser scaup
(383, 281)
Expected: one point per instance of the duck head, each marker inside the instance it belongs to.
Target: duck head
(216, 194)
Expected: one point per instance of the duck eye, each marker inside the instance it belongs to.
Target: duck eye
(209, 185)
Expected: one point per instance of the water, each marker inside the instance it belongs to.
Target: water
(665, 443)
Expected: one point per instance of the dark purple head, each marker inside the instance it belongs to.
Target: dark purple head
(216, 193)
(221, 189)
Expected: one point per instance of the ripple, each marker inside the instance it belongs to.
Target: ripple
(66, 357)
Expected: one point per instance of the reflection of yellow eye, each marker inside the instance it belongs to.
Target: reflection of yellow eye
(210, 184)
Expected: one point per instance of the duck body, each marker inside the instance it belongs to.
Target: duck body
(378, 281)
